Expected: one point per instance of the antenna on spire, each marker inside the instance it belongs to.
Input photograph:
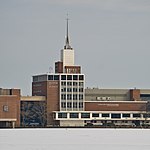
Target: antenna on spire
(67, 44)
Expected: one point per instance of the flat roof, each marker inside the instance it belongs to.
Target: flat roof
(33, 98)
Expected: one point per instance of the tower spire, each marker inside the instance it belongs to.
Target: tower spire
(67, 44)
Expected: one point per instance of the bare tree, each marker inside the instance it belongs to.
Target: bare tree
(33, 113)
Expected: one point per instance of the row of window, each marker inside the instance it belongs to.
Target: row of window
(71, 89)
(66, 77)
(72, 105)
(118, 115)
(103, 115)
(72, 83)
(73, 115)
(71, 96)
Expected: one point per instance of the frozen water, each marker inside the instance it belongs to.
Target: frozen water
(74, 139)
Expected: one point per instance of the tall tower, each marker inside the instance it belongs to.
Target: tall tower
(66, 63)
(64, 89)
(67, 54)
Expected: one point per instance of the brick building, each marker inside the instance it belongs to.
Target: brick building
(9, 107)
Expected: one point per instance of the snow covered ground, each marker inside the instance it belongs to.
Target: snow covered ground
(74, 139)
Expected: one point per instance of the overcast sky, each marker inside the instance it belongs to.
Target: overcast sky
(111, 39)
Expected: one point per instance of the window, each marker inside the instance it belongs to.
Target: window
(63, 89)
(69, 97)
(75, 77)
(63, 77)
(75, 105)
(80, 96)
(80, 105)
(56, 77)
(63, 105)
(126, 115)
(69, 105)
(95, 115)
(50, 77)
(85, 115)
(105, 115)
(81, 77)
(146, 115)
(69, 89)
(63, 83)
(80, 89)
(115, 115)
(75, 96)
(62, 115)
(80, 83)
(63, 96)
(69, 77)
(5, 108)
(74, 115)
(75, 83)
(136, 115)
(35, 79)
(75, 90)
(69, 83)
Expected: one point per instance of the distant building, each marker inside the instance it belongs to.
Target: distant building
(60, 99)
(64, 89)
(9, 107)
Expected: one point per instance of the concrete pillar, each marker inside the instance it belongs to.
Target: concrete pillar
(13, 124)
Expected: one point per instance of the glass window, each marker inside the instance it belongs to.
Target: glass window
(75, 77)
(69, 105)
(136, 115)
(56, 77)
(85, 115)
(146, 115)
(81, 77)
(115, 115)
(69, 89)
(69, 83)
(80, 96)
(75, 105)
(69, 97)
(126, 115)
(69, 77)
(105, 115)
(62, 115)
(63, 89)
(81, 105)
(63, 77)
(63, 105)
(63, 96)
(50, 77)
(35, 79)
(74, 115)
(63, 83)
(75, 96)
(80, 89)
(75, 83)
(95, 115)
(5, 108)
(75, 90)
(80, 83)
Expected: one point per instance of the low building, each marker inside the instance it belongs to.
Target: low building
(33, 111)
(10, 108)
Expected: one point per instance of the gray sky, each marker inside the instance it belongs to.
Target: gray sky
(111, 39)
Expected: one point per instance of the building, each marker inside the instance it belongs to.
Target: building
(60, 99)
(33, 111)
(118, 107)
(64, 89)
(9, 107)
